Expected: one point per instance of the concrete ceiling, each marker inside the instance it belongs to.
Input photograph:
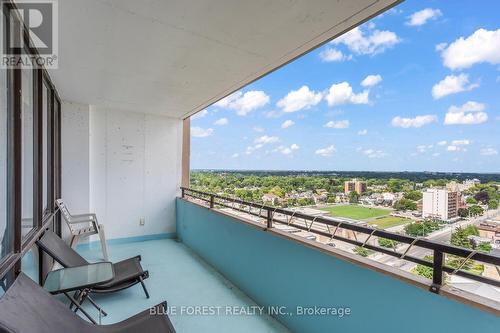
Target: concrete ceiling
(176, 57)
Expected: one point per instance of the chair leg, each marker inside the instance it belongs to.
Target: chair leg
(74, 241)
(144, 287)
(104, 245)
(97, 306)
(76, 295)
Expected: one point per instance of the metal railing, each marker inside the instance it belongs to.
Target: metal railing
(332, 225)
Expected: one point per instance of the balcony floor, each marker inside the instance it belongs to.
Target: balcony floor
(180, 277)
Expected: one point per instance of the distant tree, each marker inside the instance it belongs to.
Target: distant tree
(461, 238)
(405, 204)
(362, 251)
(353, 197)
(384, 242)
(482, 196)
(476, 210)
(423, 271)
(463, 212)
(471, 201)
(484, 247)
(416, 229)
(413, 195)
(493, 204)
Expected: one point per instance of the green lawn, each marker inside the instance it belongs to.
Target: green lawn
(388, 222)
(356, 212)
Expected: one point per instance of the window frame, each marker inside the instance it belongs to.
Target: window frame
(10, 265)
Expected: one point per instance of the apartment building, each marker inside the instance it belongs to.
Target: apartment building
(355, 185)
(440, 203)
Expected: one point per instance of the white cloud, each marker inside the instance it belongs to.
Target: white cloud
(452, 84)
(482, 46)
(441, 46)
(287, 123)
(258, 129)
(416, 122)
(288, 150)
(265, 139)
(339, 124)
(442, 143)
(235, 155)
(273, 114)
(458, 145)
(488, 151)
(372, 153)
(297, 100)
(341, 93)
(463, 142)
(436, 154)
(326, 152)
(363, 132)
(470, 113)
(424, 148)
(200, 114)
(371, 80)
(331, 55)
(373, 42)
(199, 132)
(244, 103)
(221, 122)
(251, 149)
(421, 17)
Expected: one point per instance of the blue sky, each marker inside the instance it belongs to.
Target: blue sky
(416, 89)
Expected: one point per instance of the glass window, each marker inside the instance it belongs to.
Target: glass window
(27, 218)
(29, 263)
(45, 145)
(5, 241)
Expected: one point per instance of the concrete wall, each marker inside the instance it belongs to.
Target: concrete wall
(275, 271)
(124, 166)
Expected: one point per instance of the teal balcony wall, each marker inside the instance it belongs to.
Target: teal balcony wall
(275, 271)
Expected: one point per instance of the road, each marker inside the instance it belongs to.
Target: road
(441, 236)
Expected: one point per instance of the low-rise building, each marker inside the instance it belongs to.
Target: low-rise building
(464, 186)
(490, 229)
(270, 199)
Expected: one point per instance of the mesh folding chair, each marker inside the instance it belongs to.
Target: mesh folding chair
(28, 308)
(128, 272)
(83, 225)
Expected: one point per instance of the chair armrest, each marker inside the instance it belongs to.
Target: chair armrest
(88, 216)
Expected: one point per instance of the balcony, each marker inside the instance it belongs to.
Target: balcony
(116, 138)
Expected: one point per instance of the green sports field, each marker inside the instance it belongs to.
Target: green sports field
(388, 222)
(356, 212)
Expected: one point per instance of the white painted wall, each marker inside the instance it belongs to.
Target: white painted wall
(133, 168)
(75, 158)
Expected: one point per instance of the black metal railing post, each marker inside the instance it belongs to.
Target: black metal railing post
(437, 271)
(182, 192)
(212, 199)
(269, 218)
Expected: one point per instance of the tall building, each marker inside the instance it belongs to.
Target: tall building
(355, 186)
(440, 203)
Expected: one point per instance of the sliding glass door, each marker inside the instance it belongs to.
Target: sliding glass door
(5, 232)
(30, 112)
